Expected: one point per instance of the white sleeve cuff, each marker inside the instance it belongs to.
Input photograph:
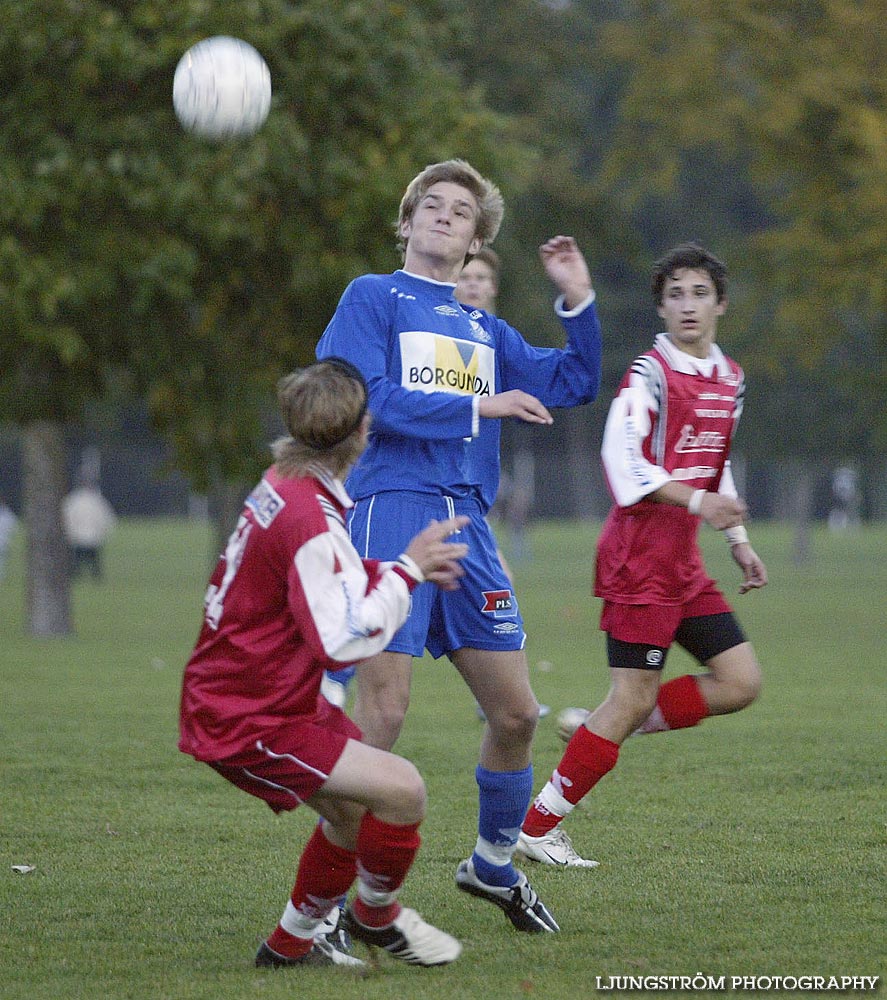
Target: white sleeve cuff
(570, 313)
(410, 565)
(695, 504)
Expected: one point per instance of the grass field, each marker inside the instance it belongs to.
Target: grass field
(753, 845)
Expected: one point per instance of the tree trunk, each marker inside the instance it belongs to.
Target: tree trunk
(225, 503)
(48, 584)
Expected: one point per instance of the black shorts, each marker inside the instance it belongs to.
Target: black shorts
(703, 637)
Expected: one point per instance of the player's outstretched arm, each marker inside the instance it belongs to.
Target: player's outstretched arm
(754, 572)
(515, 403)
(565, 265)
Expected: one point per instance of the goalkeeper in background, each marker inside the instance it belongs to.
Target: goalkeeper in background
(666, 455)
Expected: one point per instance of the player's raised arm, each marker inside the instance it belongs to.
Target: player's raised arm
(565, 265)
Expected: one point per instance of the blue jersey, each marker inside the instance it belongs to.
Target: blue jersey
(428, 361)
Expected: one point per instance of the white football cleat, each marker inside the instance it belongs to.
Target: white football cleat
(553, 848)
(409, 938)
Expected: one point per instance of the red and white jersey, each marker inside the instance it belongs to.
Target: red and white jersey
(673, 419)
(290, 596)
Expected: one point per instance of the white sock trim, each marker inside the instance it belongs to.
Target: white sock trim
(374, 897)
(297, 924)
(550, 800)
(495, 854)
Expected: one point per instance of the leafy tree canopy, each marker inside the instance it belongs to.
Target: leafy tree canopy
(204, 270)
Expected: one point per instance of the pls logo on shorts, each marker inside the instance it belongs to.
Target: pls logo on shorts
(499, 603)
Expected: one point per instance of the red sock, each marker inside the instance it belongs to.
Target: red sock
(289, 945)
(325, 873)
(586, 760)
(681, 703)
(385, 853)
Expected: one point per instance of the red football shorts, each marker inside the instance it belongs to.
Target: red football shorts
(657, 624)
(288, 766)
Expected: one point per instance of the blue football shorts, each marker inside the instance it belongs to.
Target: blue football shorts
(481, 614)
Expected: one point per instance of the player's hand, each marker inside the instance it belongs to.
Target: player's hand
(515, 403)
(435, 556)
(754, 572)
(565, 266)
(722, 511)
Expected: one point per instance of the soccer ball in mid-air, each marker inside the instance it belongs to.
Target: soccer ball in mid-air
(222, 89)
(569, 720)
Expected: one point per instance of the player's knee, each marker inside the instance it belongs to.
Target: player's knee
(747, 684)
(405, 794)
(389, 720)
(514, 724)
(629, 703)
(380, 716)
(742, 683)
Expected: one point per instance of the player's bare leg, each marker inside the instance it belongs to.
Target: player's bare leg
(733, 680)
(372, 804)
(500, 682)
(591, 753)
(383, 696)
(368, 779)
(630, 700)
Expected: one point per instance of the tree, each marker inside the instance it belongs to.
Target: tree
(792, 97)
(758, 128)
(202, 271)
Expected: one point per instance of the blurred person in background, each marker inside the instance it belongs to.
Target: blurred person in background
(88, 520)
(8, 526)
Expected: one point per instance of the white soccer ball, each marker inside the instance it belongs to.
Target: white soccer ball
(569, 720)
(222, 89)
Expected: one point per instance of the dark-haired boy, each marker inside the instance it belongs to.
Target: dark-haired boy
(666, 455)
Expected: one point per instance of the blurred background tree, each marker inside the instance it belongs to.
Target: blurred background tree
(759, 129)
(138, 262)
(199, 272)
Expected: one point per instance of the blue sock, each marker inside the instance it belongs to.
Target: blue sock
(342, 676)
(504, 798)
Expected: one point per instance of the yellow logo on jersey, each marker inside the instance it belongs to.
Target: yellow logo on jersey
(433, 363)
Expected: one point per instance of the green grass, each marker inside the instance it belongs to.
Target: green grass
(752, 845)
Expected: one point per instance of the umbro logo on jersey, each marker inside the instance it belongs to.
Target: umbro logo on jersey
(446, 310)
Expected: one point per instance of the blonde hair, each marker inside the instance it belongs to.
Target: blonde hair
(491, 206)
(323, 407)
